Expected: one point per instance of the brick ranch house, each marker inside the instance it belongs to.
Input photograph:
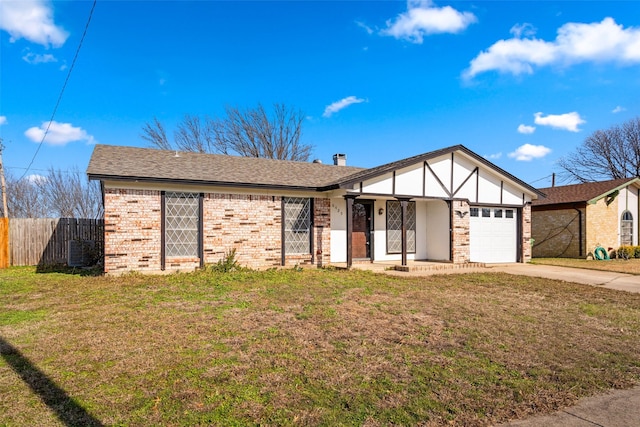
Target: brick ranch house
(168, 211)
(573, 219)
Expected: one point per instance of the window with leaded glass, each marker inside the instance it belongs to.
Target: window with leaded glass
(297, 225)
(626, 229)
(394, 227)
(181, 221)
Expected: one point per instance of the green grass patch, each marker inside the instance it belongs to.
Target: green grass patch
(310, 347)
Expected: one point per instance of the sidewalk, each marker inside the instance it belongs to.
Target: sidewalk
(617, 408)
(605, 279)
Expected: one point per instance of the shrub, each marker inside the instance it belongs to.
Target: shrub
(227, 264)
(636, 251)
(625, 252)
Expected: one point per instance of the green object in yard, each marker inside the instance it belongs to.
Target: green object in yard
(601, 254)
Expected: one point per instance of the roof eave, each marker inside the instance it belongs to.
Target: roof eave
(347, 183)
(102, 177)
(595, 200)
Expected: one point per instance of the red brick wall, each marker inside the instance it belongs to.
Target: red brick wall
(322, 230)
(460, 222)
(250, 224)
(131, 230)
(526, 233)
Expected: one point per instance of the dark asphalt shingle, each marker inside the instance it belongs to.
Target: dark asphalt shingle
(578, 193)
(119, 162)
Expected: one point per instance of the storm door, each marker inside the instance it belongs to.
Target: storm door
(362, 227)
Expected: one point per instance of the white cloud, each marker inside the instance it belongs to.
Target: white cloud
(528, 152)
(526, 129)
(339, 105)
(365, 27)
(494, 156)
(567, 121)
(36, 58)
(575, 43)
(525, 29)
(59, 134)
(31, 20)
(423, 18)
(3, 120)
(36, 179)
(618, 109)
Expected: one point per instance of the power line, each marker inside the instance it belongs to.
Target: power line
(64, 86)
(541, 179)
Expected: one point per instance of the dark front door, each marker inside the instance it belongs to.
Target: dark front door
(362, 225)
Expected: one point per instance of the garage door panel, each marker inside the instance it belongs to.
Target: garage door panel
(493, 238)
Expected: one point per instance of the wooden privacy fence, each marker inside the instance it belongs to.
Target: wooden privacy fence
(4, 242)
(45, 241)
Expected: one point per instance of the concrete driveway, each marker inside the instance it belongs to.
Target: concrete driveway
(605, 279)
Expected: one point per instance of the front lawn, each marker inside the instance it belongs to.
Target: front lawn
(314, 347)
(631, 266)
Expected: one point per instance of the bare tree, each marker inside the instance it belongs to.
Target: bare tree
(66, 194)
(156, 135)
(251, 133)
(69, 194)
(606, 154)
(25, 198)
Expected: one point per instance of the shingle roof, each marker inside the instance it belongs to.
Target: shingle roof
(146, 164)
(580, 193)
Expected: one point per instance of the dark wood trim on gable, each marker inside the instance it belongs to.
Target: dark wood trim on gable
(453, 162)
(393, 183)
(465, 181)
(501, 191)
(448, 193)
(424, 178)
(477, 185)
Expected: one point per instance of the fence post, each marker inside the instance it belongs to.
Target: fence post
(4, 242)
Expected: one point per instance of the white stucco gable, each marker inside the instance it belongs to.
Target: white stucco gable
(453, 173)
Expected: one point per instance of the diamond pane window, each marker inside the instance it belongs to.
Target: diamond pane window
(297, 225)
(181, 224)
(394, 227)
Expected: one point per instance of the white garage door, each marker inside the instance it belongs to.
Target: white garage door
(493, 234)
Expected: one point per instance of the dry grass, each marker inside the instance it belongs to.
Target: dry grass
(631, 266)
(306, 348)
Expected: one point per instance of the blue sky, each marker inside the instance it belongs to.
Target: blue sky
(522, 83)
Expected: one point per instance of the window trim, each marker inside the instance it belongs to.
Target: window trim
(163, 228)
(628, 222)
(284, 228)
(415, 243)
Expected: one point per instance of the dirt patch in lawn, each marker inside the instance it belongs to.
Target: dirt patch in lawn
(309, 347)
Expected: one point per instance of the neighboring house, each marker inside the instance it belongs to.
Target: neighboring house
(574, 219)
(167, 210)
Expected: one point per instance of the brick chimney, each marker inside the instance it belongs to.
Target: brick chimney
(340, 159)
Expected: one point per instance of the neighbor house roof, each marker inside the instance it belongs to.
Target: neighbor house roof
(152, 165)
(589, 192)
